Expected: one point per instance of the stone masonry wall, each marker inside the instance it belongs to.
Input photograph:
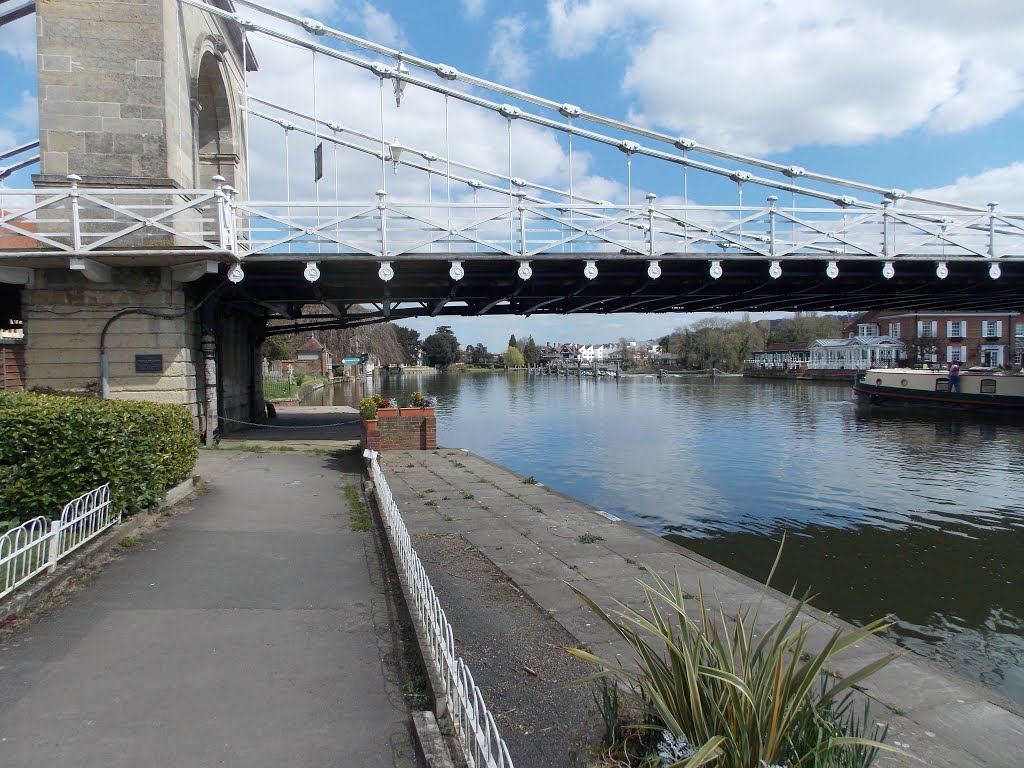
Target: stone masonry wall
(64, 317)
(101, 98)
(117, 82)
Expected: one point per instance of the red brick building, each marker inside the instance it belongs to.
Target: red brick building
(971, 338)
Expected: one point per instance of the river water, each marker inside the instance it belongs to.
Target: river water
(919, 517)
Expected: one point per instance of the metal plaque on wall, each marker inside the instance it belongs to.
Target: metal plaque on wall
(149, 363)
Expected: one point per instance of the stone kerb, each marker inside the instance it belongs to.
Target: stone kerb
(401, 429)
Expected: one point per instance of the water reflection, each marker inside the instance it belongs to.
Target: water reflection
(914, 516)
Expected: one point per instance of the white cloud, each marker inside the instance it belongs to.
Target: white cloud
(1002, 185)
(381, 27)
(764, 77)
(26, 113)
(320, 8)
(507, 57)
(474, 9)
(18, 40)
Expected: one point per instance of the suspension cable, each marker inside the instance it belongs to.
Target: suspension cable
(451, 74)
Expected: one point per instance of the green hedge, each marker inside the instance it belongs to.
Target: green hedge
(54, 448)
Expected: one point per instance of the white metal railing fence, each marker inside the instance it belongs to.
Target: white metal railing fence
(816, 365)
(37, 545)
(474, 724)
(82, 222)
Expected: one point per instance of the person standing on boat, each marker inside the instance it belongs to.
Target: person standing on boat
(954, 377)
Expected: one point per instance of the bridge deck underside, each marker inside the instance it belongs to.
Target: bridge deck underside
(423, 287)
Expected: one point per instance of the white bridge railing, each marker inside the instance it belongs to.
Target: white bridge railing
(83, 222)
(474, 724)
(37, 545)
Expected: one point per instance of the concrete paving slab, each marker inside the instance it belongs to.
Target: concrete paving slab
(514, 653)
(988, 732)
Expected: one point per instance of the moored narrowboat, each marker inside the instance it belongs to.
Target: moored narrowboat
(980, 388)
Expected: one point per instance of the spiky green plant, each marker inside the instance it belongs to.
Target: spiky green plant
(742, 701)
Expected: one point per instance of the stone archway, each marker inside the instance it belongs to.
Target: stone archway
(215, 142)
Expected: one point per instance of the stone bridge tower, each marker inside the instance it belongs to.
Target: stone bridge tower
(141, 95)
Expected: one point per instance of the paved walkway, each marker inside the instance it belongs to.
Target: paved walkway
(300, 428)
(532, 536)
(253, 629)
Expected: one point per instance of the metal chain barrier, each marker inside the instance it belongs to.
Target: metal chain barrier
(474, 724)
(291, 426)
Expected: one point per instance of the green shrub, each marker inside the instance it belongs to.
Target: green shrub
(748, 697)
(56, 448)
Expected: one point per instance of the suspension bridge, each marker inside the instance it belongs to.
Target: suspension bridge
(477, 240)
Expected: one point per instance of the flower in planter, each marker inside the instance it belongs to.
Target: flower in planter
(368, 408)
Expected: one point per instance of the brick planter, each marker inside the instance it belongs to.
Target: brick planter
(401, 429)
(370, 434)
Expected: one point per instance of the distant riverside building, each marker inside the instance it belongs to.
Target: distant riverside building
(313, 357)
(887, 338)
(784, 354)
(855, 352)
(858, 352)
(974, 338)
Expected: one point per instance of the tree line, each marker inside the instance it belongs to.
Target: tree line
(709, 343)
(723, 344)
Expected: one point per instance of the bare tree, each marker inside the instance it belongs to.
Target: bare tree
(378, 339)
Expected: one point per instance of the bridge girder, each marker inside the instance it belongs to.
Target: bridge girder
(425, 288)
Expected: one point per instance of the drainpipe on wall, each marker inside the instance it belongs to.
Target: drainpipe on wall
(104, 361)
(209, 348)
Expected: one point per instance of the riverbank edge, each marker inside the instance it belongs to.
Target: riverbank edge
(957, 719)
(825, 617)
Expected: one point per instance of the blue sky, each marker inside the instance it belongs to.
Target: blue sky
(922, 95)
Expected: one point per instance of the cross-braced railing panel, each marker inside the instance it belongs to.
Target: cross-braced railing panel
(91, 222)
(77, 222)
(526, 231)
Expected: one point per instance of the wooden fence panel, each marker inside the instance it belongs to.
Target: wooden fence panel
(12, 367)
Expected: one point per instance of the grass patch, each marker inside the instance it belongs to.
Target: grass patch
(468, 495)
(130, 541)
(360, 518)
(430, 503)
(531, 480)
(253, 448)
(458, 465)
(589, 538)
(416, 693)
